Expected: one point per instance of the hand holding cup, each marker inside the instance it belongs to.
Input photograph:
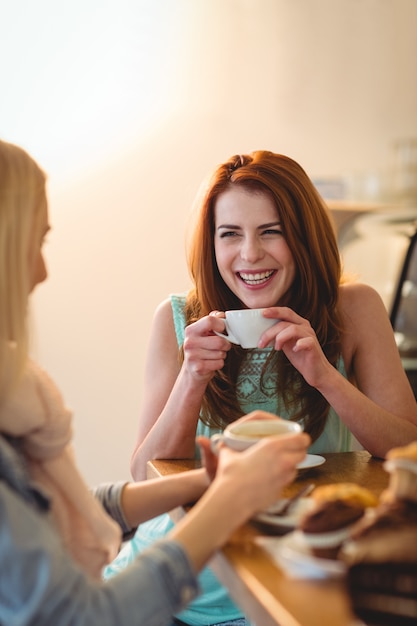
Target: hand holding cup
(243, 434)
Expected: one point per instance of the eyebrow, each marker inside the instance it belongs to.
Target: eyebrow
(260, 227)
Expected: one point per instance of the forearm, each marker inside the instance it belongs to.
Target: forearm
(173, 433)
(202, 531)
(146, 499)
(44, 586)
(375, 427)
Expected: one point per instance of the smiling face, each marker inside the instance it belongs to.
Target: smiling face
(252, 255)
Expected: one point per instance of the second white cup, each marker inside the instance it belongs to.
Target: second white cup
(240, 436)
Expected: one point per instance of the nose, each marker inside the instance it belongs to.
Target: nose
(39, 273)
(43, 270)
(251, 250)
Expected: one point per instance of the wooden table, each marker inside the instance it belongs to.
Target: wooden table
(256, 583)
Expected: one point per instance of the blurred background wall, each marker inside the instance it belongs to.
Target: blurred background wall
(128, 105)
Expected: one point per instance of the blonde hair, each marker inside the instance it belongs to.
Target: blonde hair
(309, 233)
(22, 192)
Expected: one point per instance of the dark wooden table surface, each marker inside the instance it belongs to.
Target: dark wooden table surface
(263, 591)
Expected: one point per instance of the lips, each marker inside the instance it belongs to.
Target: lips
(255, 278)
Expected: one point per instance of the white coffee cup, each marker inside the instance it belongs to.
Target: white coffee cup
(242, 435)
(245, 326)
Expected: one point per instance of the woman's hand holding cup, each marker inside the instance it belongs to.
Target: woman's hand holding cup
(254, 427)
(263, 467)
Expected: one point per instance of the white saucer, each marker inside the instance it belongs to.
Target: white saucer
(311, 460)
(293, 555)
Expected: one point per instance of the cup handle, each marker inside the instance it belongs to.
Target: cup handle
(215, 442)
(230, 337)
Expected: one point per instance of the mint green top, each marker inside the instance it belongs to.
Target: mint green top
(336, 437)
(214, 604)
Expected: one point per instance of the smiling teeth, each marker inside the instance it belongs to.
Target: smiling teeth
(255, 279)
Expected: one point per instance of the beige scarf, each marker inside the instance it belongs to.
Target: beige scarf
(36, 413)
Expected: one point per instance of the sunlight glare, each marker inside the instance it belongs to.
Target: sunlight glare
(85, 78)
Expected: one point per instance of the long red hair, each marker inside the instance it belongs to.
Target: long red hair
(309, 233)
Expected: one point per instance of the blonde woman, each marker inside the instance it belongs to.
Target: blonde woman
(55, 535)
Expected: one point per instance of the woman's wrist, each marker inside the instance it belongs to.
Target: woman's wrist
(192, 386)
(203, 530)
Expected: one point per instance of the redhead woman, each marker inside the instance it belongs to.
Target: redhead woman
(264, 239)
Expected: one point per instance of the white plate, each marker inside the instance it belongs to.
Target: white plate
(311, 460)
(282, 524)
(293, 554)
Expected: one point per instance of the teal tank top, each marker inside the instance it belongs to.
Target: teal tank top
(336, 437)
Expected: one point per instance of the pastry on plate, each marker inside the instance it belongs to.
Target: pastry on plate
(328, 523)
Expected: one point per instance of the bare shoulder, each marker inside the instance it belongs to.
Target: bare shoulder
(163, 314)
(365, 321)
(163, 330)
(162, 339)
(358, 300)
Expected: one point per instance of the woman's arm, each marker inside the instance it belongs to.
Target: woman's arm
(40, 584)
(149, 498)
(379, 408)
(173, 393)
(376, 402)
(130, 504)
(251, 480)
(134, 503)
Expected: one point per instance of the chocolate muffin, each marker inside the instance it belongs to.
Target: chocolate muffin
(348, 492)
(337, 507)
(381, 559)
